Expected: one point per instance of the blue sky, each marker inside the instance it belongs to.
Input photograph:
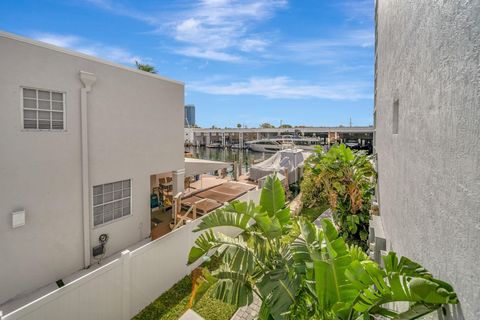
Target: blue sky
(303, 62)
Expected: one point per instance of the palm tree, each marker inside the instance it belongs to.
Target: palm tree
(145, 67)
(316, 277)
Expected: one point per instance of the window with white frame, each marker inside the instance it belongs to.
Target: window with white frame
(111, 201)
(43, 110)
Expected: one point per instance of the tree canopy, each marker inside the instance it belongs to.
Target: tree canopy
(267, 125)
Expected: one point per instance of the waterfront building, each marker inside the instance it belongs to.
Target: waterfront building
(326, 135)
(427, 120)
(80, 139)
(189, 115)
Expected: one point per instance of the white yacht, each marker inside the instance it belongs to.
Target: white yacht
(267, 145)
(214, 145)
(283, 142)
(237, 146)
(307, 144)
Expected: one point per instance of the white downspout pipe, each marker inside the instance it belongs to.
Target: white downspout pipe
(88, 79)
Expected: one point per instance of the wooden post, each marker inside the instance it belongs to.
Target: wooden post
(177, 203)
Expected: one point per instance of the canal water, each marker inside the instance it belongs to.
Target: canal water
(245, 157)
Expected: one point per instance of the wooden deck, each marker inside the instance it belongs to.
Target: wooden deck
(219, 191)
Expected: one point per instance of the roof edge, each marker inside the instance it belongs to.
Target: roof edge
(77, 54)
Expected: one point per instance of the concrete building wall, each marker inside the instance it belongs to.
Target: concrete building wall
(134, 127)
(427, 59)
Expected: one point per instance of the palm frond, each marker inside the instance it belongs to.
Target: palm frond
(236, 214)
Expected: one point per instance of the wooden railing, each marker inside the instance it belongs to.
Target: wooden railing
(177, 209)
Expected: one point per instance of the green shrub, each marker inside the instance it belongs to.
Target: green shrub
(312, 193)
(212, 309)
(346, 179)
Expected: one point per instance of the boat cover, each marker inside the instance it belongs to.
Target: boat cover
(290, 160)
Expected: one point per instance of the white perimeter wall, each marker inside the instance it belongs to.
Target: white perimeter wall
(428, 57)
(135, 127)
(123, 287)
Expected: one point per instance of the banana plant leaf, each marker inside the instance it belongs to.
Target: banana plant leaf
(236, 214)
(401, 281)
(209, 241)
(333, 289)
(272, 198)
(232, 286)
(278, 289)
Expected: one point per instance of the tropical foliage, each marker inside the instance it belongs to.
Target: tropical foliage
(340, 282)
(312, 194)
(346, 179)
(317, 276)
(257, 261)
(145, 67)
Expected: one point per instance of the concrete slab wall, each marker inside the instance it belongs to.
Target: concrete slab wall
(428, 58)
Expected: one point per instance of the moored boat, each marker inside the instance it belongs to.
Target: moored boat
(268, 145)
(214, 145)
(283, 142)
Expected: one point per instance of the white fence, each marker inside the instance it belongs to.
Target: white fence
(123, 287)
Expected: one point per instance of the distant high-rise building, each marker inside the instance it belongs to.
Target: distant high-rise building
(189, 115)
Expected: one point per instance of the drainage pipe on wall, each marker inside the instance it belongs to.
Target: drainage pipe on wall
(88, 79)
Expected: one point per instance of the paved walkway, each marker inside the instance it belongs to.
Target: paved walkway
(249, 312)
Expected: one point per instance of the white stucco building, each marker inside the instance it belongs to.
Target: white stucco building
(427, 110)
(79, 140)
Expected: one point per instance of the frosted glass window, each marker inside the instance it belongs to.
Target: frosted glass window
(43, 110)
(111, 201)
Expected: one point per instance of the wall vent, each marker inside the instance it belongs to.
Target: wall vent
(396, 105)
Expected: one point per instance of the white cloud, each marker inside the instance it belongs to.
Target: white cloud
(226, 30)
(249, 45)
(345, 48)
(92, 48)
(209, 29)
(65, 41)
(221, 25)
(208, 54)
(286, 88)
(117, 8)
